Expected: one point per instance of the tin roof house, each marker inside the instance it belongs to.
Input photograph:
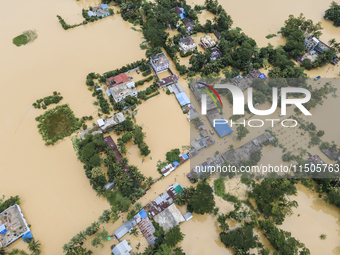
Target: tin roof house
(159, 62)
(186, 44)
(101, 11)
(123, 248)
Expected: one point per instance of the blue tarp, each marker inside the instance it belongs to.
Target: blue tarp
(143, 214)
(3, 229)
(262, 76)
(27, 236)
(185, 156)
(183, 99)
(175, 163)
(223, 129)
(103, 6)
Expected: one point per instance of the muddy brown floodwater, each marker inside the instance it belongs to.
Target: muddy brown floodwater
(57, 199)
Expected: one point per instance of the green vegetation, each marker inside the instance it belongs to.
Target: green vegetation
(241, 239)
(184, 197)
(271, 198)
(4, 204)
(67, 26)
(323, 237)
(173, 155)
(25, 37)
(202, 200)
(173, 236)
(57, 123)
(12, 252)
(34, 246)
(141, 82)
(20, 40)
(103, 104)
(271, 36)
(46, 101)
(148, 91)
(281, 240)
(333, 14)
(74, 247)
(99, 238)
(219, 187)
(241, 131)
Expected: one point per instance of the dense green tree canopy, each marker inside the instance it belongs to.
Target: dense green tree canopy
(203, 199)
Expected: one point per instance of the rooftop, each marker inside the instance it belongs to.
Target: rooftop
(147, 228)
(167, 81)
(123, 248)
(121, 78)
(169, 218)
(187, 40)
(13, 225)
(123, 90)
(159, 59)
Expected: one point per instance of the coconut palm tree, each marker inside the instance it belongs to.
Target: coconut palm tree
(34, 246)
(331, 41)
(134, 231)
(179, 200)
(2, 251)
(126, 181)
(224, 226)
(138, 207)
(149, 181)
(125, 161)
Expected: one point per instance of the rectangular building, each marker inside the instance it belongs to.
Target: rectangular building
(159, 62)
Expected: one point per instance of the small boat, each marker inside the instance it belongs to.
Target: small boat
(317, 78)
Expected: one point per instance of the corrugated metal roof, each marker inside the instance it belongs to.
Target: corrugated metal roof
(148, 230)
(183, 99)
(125, 228)
(123, 248)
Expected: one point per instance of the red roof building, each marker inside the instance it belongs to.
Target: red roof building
(119, 79)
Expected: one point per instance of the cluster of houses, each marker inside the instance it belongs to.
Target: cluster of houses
(213, 112)
(162, 210)
(234, 157)
(245, 82)
(101, 11)
(206, 42)
(172, 166)
(13, 226)
(182, 14)
(103, 125)
(314, 47)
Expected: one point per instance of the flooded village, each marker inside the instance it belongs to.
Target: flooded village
(126, 182)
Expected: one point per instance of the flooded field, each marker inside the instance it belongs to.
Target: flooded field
(312, 218)
(50, 181)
